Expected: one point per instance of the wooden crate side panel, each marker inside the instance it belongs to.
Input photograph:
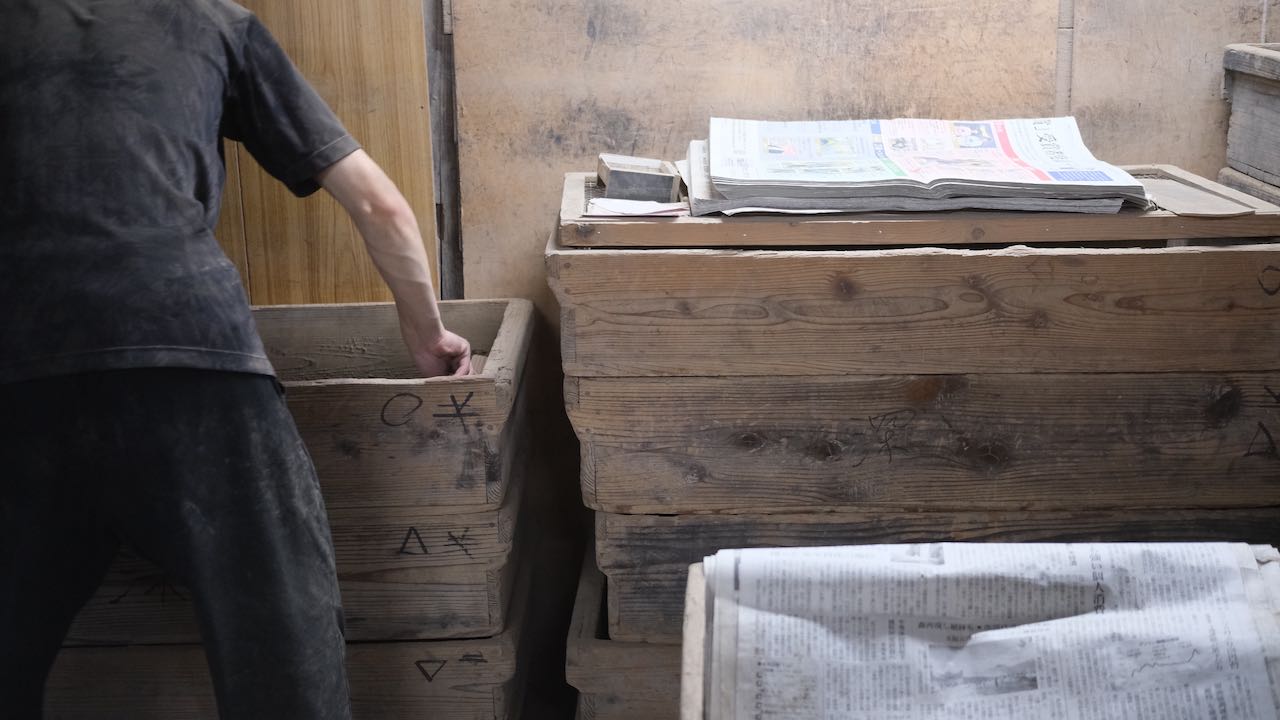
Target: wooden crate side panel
(646, 558)
(713, 313)
(1253, 142)
(941, 442)
(1239, 181)
(433, 444)
(362, 340)
(403, 574)
(603, 706)
(458, 681)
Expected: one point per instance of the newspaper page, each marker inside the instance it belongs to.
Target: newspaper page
(991, 631)
(976, 157)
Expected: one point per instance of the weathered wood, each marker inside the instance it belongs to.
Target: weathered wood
(403, 574)
(616, 680)
(1253, 219)
(1253, 141)
(1018, 441)
(1237, 180)
(925, 310)
(1147, 77)
(637, 77)
(368, 61)
(379, 436)
(646, 558)
(451, 679)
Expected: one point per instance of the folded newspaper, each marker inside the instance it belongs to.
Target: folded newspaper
(1001, 631)
(903, 165)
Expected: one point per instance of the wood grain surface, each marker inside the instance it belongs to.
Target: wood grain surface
(403, 575)
(646, 558)
(616, 680)
(380, 436)
(368, 61)
(544, 86)
(1018, 441)
(1015, 310)
(1255, 187)
(1253, 143)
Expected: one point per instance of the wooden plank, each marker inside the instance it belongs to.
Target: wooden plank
(1239, 181)
(470, 680)
(565, 87)
(1258, 59)
(376, 81)
(380, 436)
(1254, 135)
(616, 680)
(230, 228)
(761, 313)
(998, 442)
(646, 558)
(403, 574)
(1134, 62)
(1251, 219)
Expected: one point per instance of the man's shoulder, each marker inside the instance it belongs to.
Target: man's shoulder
(225, 14)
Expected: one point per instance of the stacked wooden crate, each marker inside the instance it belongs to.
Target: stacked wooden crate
(860, 379)
(423, 481)
(1253, 141)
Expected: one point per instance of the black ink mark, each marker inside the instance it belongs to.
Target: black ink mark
(1154, 665)
(1262, 444)
(398, 416)
(888, 427)
(457, 408)
(473, 658)
(430, 668)
(1269, 286)
(1274, 395)
(460, 540)
(412, 532)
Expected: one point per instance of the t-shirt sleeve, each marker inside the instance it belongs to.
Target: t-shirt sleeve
(272, 109)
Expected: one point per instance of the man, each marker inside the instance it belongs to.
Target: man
(136, 402)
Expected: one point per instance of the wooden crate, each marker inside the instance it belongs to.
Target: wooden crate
(1253, 138)
(447, 679)
(1237, 180)
(1096, 375)
(409, 567)
(646, 558)
(616, 680)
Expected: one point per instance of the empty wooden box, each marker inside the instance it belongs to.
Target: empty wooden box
(422, 478)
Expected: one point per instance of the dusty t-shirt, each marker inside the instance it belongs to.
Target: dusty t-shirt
(111, 174)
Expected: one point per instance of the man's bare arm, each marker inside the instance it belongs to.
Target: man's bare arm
(394, 242)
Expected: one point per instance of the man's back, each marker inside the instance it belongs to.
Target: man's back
(111, 113)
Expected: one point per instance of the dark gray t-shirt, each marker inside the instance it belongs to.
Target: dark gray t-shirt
(111, 174)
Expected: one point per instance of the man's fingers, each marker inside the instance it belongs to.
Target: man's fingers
(464, 366)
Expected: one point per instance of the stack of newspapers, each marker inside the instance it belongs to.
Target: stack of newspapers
(1000, 632)
(902, 165)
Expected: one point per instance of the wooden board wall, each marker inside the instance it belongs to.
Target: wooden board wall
(368, 61)
(544, 85)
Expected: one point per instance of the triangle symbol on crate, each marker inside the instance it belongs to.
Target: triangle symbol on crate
(430, 668)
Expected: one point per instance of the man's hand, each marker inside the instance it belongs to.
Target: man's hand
(450, 354)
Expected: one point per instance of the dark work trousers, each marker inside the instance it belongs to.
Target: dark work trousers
(203, 473)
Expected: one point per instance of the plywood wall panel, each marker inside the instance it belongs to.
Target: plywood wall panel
(368, 60)
(1147, 77)
(544, 85)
